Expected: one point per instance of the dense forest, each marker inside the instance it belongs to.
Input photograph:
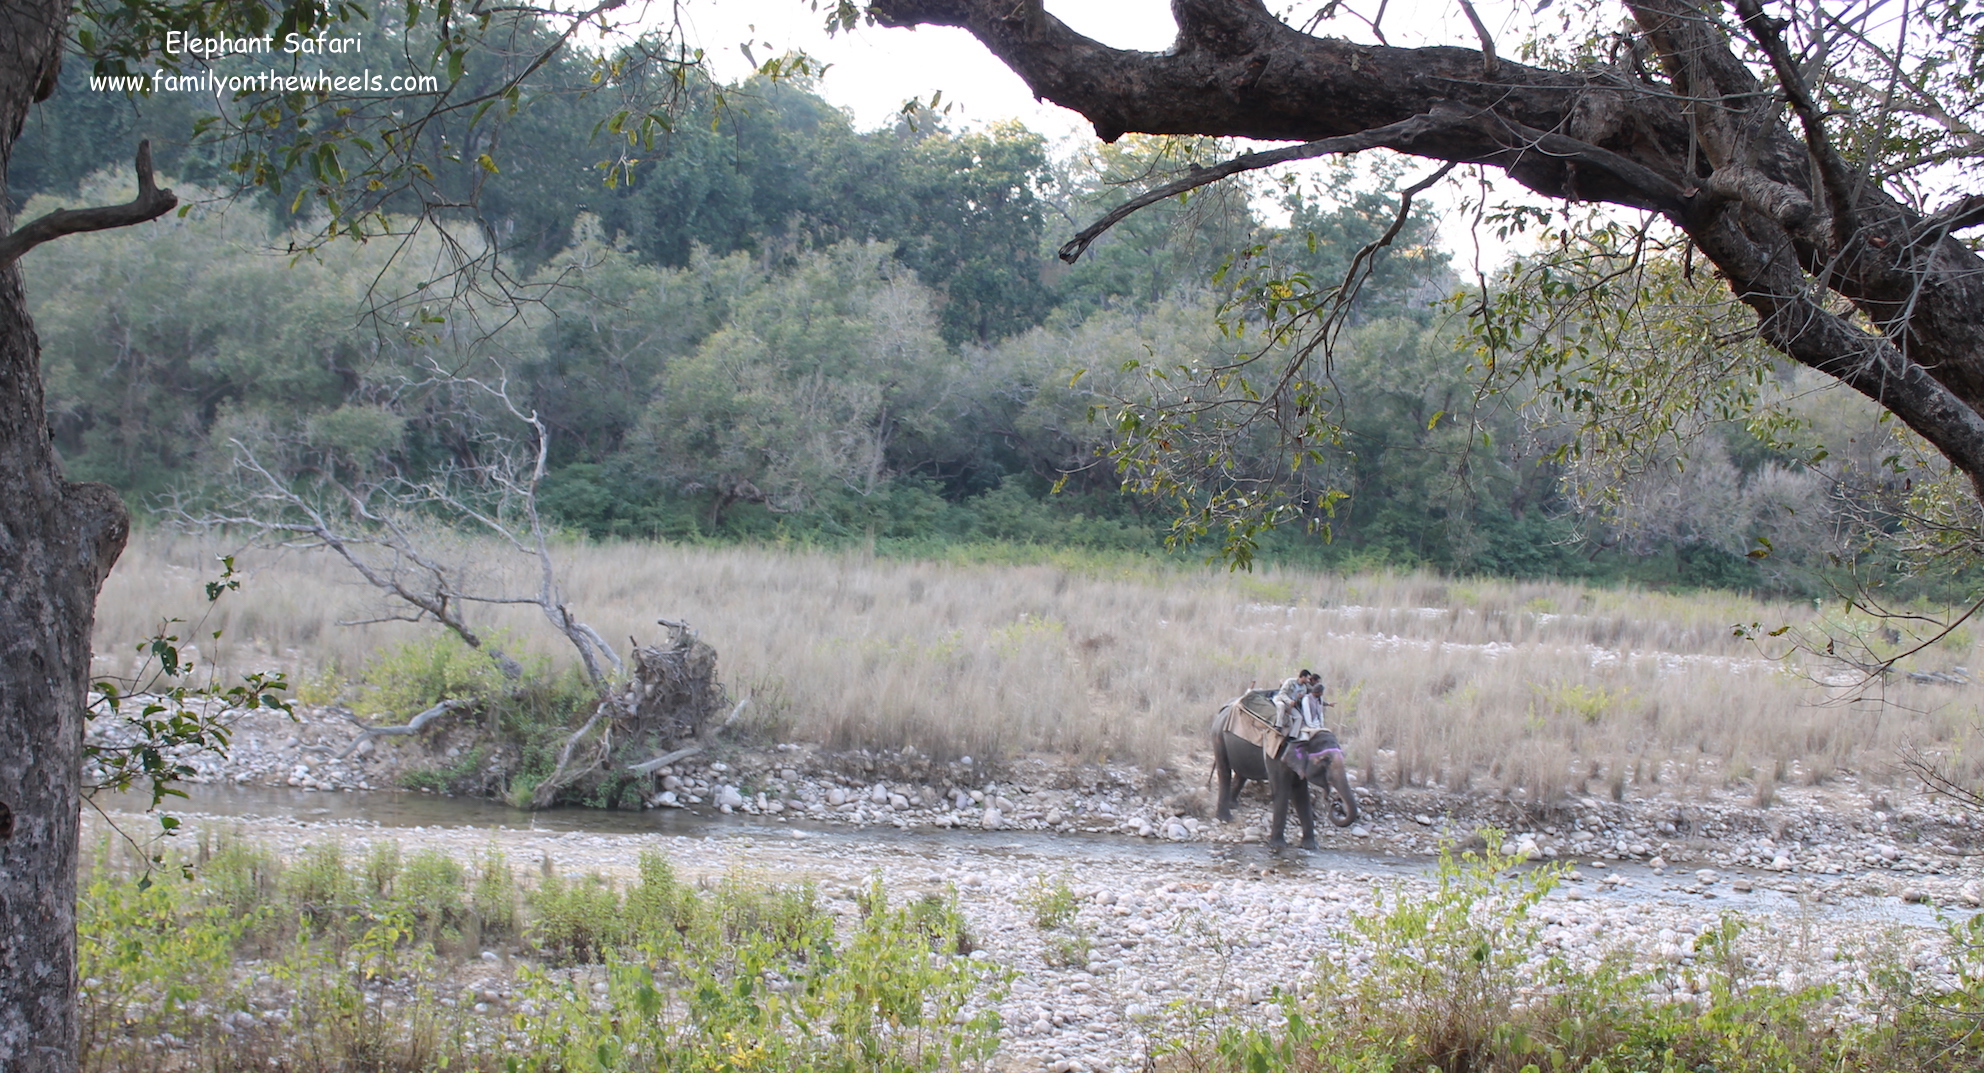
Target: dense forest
(770, 325)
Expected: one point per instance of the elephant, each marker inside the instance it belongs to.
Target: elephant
(1235, 760)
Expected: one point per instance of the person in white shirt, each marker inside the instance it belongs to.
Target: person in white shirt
(1310, 711)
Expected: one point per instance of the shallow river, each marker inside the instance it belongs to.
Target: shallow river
(1032, 852)
(1175, 926)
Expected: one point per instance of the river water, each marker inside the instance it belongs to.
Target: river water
(1043, 852)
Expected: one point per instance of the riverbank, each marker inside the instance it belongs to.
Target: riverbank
(1843, 838)
(1157, 936)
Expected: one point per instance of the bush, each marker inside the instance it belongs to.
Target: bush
(1051, 901)
(430, 892)
(739, 975)
(149, 953)
(1459, 982)
(792, 998)
(320, 884)
(577, 922)
(410, 677)
(494, 896)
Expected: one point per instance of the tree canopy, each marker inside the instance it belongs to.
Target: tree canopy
(1810, 155)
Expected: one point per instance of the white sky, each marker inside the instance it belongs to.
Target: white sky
(874, 70)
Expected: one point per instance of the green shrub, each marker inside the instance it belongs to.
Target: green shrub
(320, 884)
(382, 867)
(1459, 982)
(431, 893)
(659, 909)
(1054, 908)
(407, 678)
(242, 878)
(577, 922)
(1052, 902)
(494, 896)
(149, 951)
(880, 998)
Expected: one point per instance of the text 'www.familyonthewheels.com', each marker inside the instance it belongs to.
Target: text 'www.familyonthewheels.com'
(217, 84)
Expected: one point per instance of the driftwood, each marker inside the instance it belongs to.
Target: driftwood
(649, 767)
(663, 711)
(411, 726)
(671, 693)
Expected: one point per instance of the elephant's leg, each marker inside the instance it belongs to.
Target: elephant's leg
(1305, 808)
(1227, 791)
(1278, 833)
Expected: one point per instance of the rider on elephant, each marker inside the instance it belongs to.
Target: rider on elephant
(1309, 719)
(1291, 695)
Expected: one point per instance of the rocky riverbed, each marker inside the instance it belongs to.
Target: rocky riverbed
(1177, 915)
(1165, 931)
(1837, 838)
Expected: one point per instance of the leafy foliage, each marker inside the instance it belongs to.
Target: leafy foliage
(773, 328)
(724, 975)
(143, 730)
(1461, 980)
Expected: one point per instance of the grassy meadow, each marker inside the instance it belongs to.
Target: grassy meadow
(1530, 689)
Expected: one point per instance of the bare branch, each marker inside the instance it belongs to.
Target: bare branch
(649, 767)
(1937, 780)
(1834, 175)
(1352, 143)
(1490, 64)
(411, 726)
(150, 204)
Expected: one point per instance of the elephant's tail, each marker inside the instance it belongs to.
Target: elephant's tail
(1218, 725)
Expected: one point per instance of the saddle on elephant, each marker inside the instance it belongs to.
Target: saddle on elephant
(1251, 717)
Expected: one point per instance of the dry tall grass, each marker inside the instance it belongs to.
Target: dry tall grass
(1530, 688)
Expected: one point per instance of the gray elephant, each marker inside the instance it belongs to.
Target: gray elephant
(1288, 770)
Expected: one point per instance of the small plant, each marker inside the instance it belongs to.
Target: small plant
(576, 922)
(891, 994)
(937, 917)
(493, 896)
(408, 677)
(1055, 906)
(1068, 949)
(1052, 902)
(430, 894)
(320, 883)
(382, 867)
(1588, 703)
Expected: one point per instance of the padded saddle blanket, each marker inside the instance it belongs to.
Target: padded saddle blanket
(1251, 718)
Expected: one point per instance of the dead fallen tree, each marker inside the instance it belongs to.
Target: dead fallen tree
(671, 693)
(391, 529)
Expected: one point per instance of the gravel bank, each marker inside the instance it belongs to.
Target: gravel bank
(1177, 929)
(1837, 838)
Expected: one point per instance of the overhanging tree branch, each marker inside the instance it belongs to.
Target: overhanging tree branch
(1351, 143)
(1791, 228)
(150, 204)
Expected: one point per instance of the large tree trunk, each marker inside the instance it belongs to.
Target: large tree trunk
(57, 541)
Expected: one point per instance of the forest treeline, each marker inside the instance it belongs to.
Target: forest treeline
(777, 326)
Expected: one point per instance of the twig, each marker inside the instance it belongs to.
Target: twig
(1348, 143)
(1490, 63)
